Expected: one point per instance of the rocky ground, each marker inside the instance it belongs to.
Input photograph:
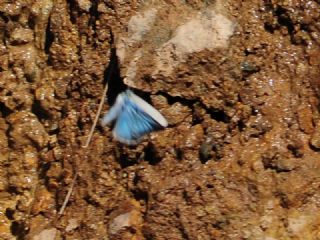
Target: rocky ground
(238, 81)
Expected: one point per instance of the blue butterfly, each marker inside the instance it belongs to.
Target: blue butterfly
(133, 118)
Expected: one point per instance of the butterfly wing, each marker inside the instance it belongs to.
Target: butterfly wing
(132, 123)
(114, 111)
(147, 108)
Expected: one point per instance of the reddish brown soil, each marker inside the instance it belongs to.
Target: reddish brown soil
(239, 160)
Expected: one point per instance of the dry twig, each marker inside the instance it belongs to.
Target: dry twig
(66, 200)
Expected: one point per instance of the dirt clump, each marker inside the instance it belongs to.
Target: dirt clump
(237, 81)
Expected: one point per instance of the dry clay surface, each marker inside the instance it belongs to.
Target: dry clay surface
(238, 81)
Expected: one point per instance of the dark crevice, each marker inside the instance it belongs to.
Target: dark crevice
(219, 224)
(148, 235)
(284, 201)
(179, 153)
(80, 124)
(5, 111)
(184, 234)
(277, 170)
(13, 190)
(209, 185)
(38, 110)
(91, 201)
(181, 228)
(32, 21)
(315, 149)
(151, 154)
(248, 52)
(94, 15)
(174, 99)
(140, 195)
(112, 75)
(73, 12)
(110, 4)
(284, 19)
(123, 159)
(216, 114)
(19, 229)
(4, 17)
(305, 27)
(15, 18)
(55, 131)
(10, 213)
(43, 169)
(219, 115)
(269, 27)
(49, 39)
(241, 125)
(272, 165)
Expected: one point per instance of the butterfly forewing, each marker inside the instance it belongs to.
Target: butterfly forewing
(148, 109)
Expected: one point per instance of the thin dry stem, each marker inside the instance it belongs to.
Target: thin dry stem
(97, 116)
(67, 198)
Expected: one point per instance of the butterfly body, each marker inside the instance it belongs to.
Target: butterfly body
(133, 118)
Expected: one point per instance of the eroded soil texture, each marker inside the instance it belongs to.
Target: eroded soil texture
(238, 82)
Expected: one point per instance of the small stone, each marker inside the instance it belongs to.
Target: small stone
(120, 222)
(47, 234)
(44, 201)
(26, 129)
(85, 5)
(127, 220)
(72, 224)
(176, 113)
(21, 36)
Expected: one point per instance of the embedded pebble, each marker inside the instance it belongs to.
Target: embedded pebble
(84, 5)
(120, 222)
(46, 97)
(22, 182)
(44, 201)
(21, 36)
(176, 113)
(72, 224)
(47, 234)
(24, 56)
(26, 129)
